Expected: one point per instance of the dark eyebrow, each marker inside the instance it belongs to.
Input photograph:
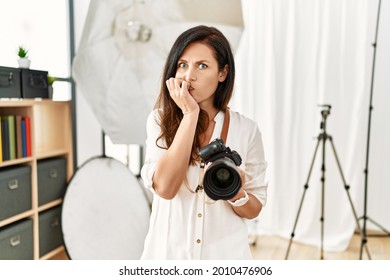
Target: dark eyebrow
(198, 62)
(203, 61)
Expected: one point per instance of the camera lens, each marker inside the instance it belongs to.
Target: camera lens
(222, 179)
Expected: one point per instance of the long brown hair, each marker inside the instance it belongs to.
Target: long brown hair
(170, 114)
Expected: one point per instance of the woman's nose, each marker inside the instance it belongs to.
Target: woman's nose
(190, 74)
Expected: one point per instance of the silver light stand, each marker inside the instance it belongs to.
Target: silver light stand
(322, 137)
(365, 217)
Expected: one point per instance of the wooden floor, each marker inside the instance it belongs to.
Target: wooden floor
(274, 248)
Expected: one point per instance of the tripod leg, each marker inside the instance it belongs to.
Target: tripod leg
(303, 196)
(379, 226)
(323, 170)
(346, 186)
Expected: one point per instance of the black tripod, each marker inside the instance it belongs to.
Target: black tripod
(364, 217)
(322, 137)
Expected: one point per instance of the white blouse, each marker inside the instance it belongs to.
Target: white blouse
(191, 225)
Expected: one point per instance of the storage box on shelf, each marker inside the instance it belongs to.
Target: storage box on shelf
(32, 186)
(16, 241)
(25, 83)
(51, 179)
(50, 236)
(10, 86)
(15, 190)
(34, 84)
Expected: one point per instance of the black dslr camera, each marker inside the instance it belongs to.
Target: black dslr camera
(222, 179)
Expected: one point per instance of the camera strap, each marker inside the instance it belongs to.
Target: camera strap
(225, 127)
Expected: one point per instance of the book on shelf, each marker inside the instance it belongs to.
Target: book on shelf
(28, 135)
(24, 139)
(18, 135)
(5, 138)
(15, 137)
(11, 136)
(1, 142)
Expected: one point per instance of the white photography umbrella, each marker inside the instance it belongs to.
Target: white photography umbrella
(123, 49)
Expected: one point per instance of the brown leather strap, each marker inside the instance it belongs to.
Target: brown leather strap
(225, 127)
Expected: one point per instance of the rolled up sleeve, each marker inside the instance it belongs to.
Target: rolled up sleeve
(255, 168)
(153, 152)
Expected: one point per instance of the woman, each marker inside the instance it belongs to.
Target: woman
(190, 111)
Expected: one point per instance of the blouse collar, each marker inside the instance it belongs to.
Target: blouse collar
(219, 117)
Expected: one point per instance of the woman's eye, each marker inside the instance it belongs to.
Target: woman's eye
(182, 65)
(202, 66)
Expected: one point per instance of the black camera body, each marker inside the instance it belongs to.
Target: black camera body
(222, 179)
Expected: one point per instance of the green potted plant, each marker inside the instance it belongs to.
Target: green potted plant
(50, 81)
(23, 61)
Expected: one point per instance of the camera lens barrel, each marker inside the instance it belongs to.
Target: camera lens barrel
(222, 179)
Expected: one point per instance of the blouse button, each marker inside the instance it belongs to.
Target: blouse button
(198, 241)
(200, 215)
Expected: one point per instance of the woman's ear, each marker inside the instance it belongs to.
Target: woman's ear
(223, 74)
